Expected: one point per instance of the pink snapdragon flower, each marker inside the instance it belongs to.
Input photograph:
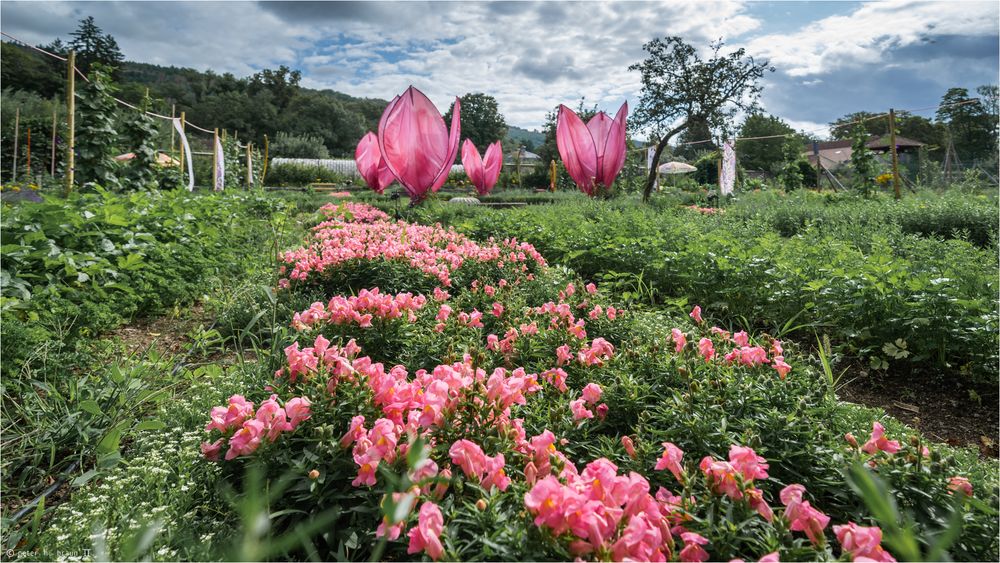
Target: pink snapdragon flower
(877, 441)
(722, 477)
(960, 484)
(426, 536)
(692, 551)
(863, 543)
(696, 314)
(671, 460)
(591, 288)
(629, 446)
(781, 367)
(580, 412)
(563, 355)
(802, 516)
(680, 341)
(592, 393)
(246, 440)
(748, 463)
(707, 349)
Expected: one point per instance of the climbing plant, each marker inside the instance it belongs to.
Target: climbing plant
(96, 135)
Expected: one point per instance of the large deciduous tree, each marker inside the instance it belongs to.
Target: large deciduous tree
(973, 129)
(481, 119)
(679, 88)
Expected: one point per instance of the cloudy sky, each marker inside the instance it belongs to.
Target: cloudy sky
(831, 58)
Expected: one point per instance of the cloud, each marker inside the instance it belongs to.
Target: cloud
(533, 56)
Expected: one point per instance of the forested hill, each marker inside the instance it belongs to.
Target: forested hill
(268, 102)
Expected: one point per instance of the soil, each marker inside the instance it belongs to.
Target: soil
(944, 410)
(166, 334)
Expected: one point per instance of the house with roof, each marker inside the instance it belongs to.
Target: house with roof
(836, 153)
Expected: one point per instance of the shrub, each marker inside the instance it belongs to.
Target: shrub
(290, 145)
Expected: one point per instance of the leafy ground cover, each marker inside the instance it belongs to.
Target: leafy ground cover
(75, 269)
(448, 398)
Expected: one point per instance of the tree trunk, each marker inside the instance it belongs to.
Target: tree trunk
(648, 189)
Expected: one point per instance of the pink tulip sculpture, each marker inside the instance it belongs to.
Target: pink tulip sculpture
(415, 143)
(483, 172)
(371, 165)
(593, 153)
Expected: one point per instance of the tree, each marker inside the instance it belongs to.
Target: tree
(971, 127)
(845, 127)
(680, 88)
(283, 84)
(481, 119)
(313, 113)
(763, 154)
(689, 146)
(94, 46)
(876, 125)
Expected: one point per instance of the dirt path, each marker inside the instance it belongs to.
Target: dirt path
(944, 411)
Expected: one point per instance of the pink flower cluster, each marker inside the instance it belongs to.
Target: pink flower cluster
(863, 543)
(486, 470)
(743, 353)
(433, 250)
(246, 429)
(705, 210)
(802, 516)
(608, 512)
(590, 396)
(360, 309)
(358, 212)
(735, 478)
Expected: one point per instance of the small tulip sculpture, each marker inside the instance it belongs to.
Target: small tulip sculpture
(415, 144)
(484, 171)
(371, 165)
(593, 153)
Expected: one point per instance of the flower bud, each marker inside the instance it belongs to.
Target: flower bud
(481, 505)
(851, 440)
(314, 474)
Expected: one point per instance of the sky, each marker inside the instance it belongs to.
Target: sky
(830, 58)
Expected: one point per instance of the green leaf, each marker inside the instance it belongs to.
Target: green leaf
(150, 425)
(92, 407)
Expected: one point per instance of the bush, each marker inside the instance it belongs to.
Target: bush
(294, 175)
(290, 145)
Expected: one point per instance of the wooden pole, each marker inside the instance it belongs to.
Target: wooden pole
(249, 168)
(173, 109)
(17, 133)
(52, 169)
(552, 175)
(215, 159)
(263, 173)
(27, 165)
(182, 150)
(819, 165)
(71, 121)
(895, 155)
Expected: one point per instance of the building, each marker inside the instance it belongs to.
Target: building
(835, 153)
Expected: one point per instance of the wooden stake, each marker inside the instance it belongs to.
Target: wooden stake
(182, 149)
(17, 133)
(71, 121)
(52, 170)
(895, 155)
(249, 168)
(28, 163)
(819, 165)
(173, 109)
(215, 159)
(263, 173)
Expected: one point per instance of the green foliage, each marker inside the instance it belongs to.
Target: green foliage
(864, 164)
(92, 46)
(96, 131)
(481, 120)
(290, 145)
(971, 126)
(762, 154)
(138, 134)
(297, 175)
(851, 272)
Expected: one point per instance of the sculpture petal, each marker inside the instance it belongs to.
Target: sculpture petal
(368, 157)
(492, 164)
(577, 149)
(613, 148)
(414, 142)
(456, 131)
(473, 164)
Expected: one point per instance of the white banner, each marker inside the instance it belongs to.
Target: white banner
(220, 169)
(727, 179)
(187, 153)
(650, 152)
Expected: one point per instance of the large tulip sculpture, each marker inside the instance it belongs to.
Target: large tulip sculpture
(416, 145)
(484, 171)
(371, 165)
(593, 153)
